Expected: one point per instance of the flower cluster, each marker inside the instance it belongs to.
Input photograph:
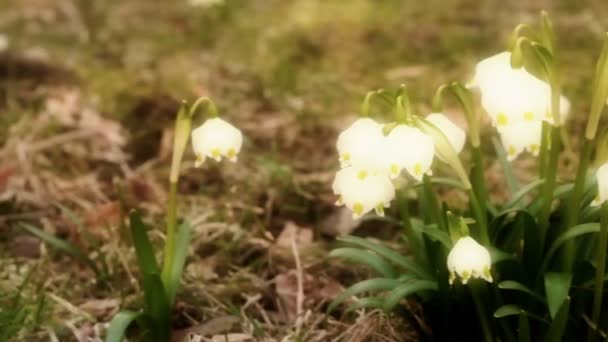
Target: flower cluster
(517, 103)
(371, 158)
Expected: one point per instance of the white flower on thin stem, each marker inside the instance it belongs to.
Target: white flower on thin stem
(408, 148)
(522, 136)
(511, 94)
(360, 146)
(455, 135)
(602, 185)
(468, 259)
(363, 193)
(216, 139)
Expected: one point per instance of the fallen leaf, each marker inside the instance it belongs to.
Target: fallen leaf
(303, 236)
(101, 308)
(26, 246)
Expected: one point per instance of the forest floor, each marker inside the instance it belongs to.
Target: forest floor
(88, 94)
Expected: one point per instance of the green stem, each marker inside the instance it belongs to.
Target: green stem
(481, 218)
(413, 239)
(433, 203)
(574, 205)
(544, 149)
(171, 230)
(478, 175)
(483, 319)
(551, 166)
(599, 272)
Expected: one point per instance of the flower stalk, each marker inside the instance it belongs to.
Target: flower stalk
(600, 271)
(183, 127)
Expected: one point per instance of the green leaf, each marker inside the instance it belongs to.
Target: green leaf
(407, 289)
(387, 253)
(156, 305)
(506, 165)
(182, 241)
(499, 256)
(517, 286)
(455, 183)
(571, 233)
(143, 248)
(557, 286)
(517, 196)
(63, 246)
(119, 324)
(365, 257)
(523, 326)
(556, 331)
(371, 302)
(435, 234)
(507, 310)
(374, 284)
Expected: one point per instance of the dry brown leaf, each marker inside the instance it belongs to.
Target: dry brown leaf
(303, 236)
(26, 246)
(101, 309)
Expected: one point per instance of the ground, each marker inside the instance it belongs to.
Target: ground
(88, 95)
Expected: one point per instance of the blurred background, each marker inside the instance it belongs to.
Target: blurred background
(88, 95)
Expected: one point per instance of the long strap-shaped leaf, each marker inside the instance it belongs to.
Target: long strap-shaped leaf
(119, 324)
(435, 234)
(372, 302)
(156, 306)
(365, 257)
(517, 286)
(63, 246)
(374, 284)
(394, 257)
(407, 289)
(571, 233)
(143, 247)
(556, 331)
(182, 241)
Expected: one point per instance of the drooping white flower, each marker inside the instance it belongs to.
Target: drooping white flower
(215, 139)
(522, 136)
(362, 193)
(360, 146)
(511, 94)
(602, 185)
(455, 135)
(468, 259)
(408, 148)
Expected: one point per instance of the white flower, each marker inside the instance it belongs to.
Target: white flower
(511, 94)
(455, 135)
(363, 193)
(360, 146)
(522, 136)
(602, 185)
(215, 139)
(408, 148)
(468, 259)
